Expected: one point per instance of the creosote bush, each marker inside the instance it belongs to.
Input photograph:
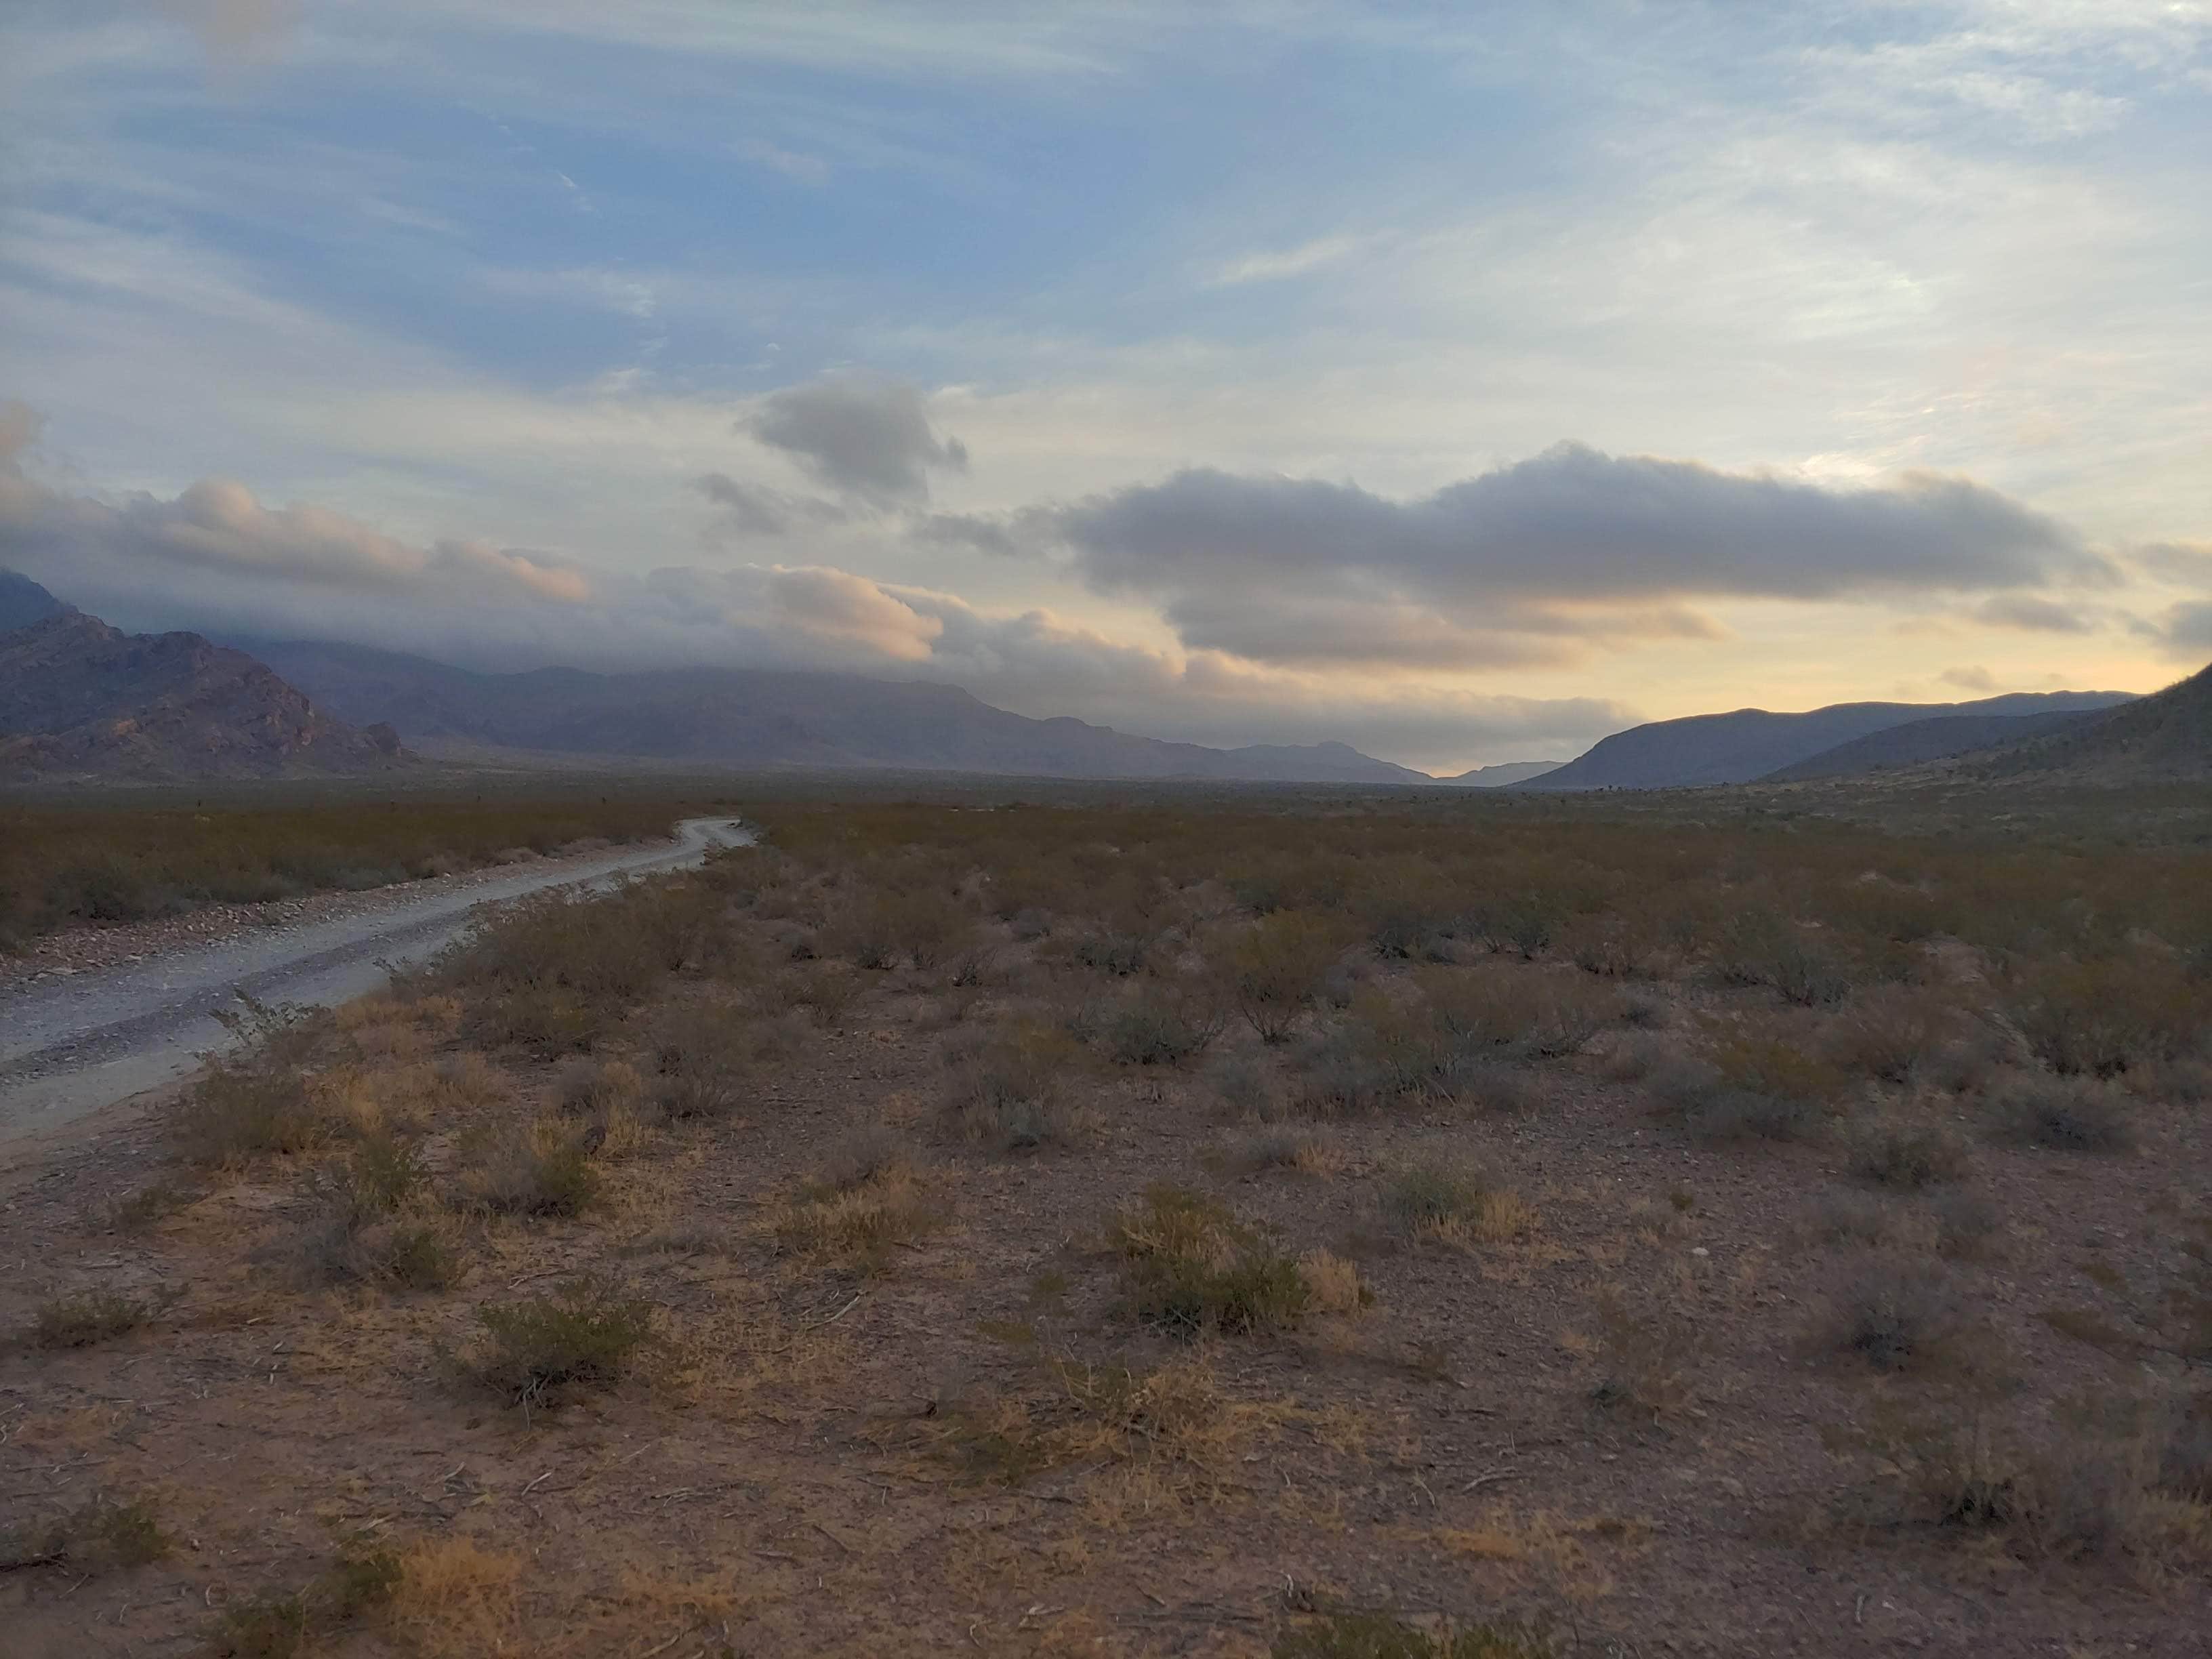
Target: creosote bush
(1895, 1312)
(1191, 1267)
(1906, 1150)
(1276, 970)
(580, 1336)
(541, 1169)
(2107, 1015)
(2059, 1113)
(102, 1536)
(1007, 1087)
(81, 1322)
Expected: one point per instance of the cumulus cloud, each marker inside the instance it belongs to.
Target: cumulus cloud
(1534, 561)
(215, 549)
(868, 440)
(748, 511)
(2024, 610)
(2188, 564)
(2183, 631)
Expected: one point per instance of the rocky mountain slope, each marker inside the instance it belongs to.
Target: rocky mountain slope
(79, 699)
(2165, 737)
(1749, 744)
(1916, 743)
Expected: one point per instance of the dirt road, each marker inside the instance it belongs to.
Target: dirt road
(70, 1046)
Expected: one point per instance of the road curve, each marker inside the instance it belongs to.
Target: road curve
(70, 1046)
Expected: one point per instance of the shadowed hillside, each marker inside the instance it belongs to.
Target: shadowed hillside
(1918, 742)
(1749, 744)
(770, 718)
(81, 699)
(2165, 737)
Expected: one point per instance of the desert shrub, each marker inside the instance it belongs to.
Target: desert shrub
(1510, 1014)
(2061, 1114)
(541, 1169)
(107, 889)
(1645, 1358)
(254, 1101)
(1762, 947)
(1241, 1086)
(1007, 1089)
(1384, 1635)
(1191, 1267)
(359, 1230)
(2101, 1017)
(80, 1321)
(1164, 1023)
(1753, 1088)
(549, 1020)
(101, 1536)
(1611, 944)
(826, 992)
(285, 1627)
(1889, 1033)
(1523, 924)
(923, 927)
(1307, 1148)
(1120, 952)
(580, 1336)
(1277, 967)
(1404, 905)
(1894, 1311)
(1906, 1150)
(1174, 1418)
(1454, 1203)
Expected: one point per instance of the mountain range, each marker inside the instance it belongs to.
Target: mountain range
(1750, 744)
(79, 699)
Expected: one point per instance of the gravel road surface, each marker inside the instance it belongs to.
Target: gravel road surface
(71, 1045)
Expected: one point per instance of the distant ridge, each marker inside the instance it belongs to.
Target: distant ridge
(739, 717)
(2165, 737)
(81, 700)
(1707, 749)
(1503, 775)
(1916, 743)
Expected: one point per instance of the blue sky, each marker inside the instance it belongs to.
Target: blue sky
(1458, 382)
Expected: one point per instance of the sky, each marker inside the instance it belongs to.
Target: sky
(1460, 382)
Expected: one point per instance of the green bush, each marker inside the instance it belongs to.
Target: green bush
(580, 1336)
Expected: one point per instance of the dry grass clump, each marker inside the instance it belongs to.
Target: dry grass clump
(580, 1336)
(867, 1200)
(1175, 1420)
(1645, 1358)
(1954, 1223)
(82, 1321)
(1312, 1149)
(1455, 1205)
(1906, 1149)
(102, 1536)
(2059, 1113)
(1356, 1635)
(2087, 1497)
(537, 1168)
(1191, 1267)
(1333, 1284)
(1897, 1312)
(288, 1626)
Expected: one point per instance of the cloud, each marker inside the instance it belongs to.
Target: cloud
(2024, 610)
(2188, 563)
(1532, 562)
(236, 31)
(215, 559)
(1275, 266)
(215, 545)
(868, 440)
(750, 510)
(1969, 679)
(2184, 630)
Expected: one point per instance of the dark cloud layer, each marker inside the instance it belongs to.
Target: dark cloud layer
(867, 439)
(1570, 544)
